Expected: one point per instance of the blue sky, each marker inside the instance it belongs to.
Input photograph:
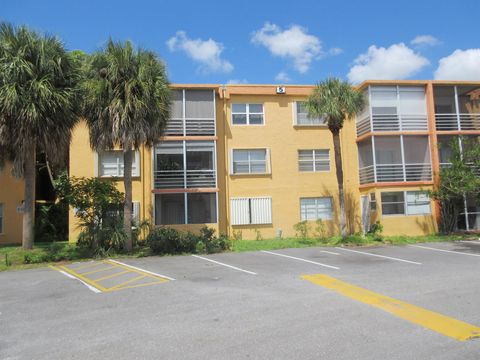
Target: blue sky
(279, 41)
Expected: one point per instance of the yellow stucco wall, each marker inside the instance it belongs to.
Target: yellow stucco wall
(11, 196)
(411, 225)
(286, 185)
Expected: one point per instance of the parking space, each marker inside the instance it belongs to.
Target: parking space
(343, 303)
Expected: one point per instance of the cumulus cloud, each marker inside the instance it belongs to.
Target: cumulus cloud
(293, 43)
(237, 81)
(205, 52)
(395, 62)
(459, 65)
(425, 40)
(282, 77)
(335, 51)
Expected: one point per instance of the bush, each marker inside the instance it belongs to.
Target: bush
(301, 229)
(375, 232)
(166, 240)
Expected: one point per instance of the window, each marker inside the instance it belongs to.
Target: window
(1, 218)
(405, 203)
(316, 208)
(314, 160)
(253, 161)
(246, 211)
(393, 203)
(136, 213)
(418, 203)
(303, 118)
(373, 202)
(110, 163)
(199, 208)
(247, 114)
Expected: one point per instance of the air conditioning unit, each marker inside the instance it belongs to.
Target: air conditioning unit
(281, 90)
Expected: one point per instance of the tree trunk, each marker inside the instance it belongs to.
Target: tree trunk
(29, 199)
(127, 207)
(339, 170)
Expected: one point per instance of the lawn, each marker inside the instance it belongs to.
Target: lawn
(14, 257)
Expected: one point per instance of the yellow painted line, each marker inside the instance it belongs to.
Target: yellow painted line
(138, 271)
(442, 324)
(140, 285)
(83, 278)
(113, 275)
(87, 266)
(99, 270)
(119, 286)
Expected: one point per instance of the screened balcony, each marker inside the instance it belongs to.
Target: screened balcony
(393, 108)
(446, 144)
(394, 159)
(192, 113)
(184, 165)
(457, 108)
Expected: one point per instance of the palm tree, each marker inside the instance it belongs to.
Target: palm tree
(127, 104)
(336, 100)
(38, 97)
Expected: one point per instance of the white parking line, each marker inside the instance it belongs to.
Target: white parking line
(226, 265)
(329, 252)
(447, 251)
(140, 269)
(300, 259)
(95, 290)
(380, 256)
(474, 242)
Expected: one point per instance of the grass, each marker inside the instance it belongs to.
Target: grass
(15, 258)
(273, 244)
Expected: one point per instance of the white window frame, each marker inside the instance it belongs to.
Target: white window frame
(314, 160)
(135, 164)
(2, 217)
(247, 114)
(417, 202)
(267, 162)
(250, 208)
(317, 212)
(406, 204)
(321, 123)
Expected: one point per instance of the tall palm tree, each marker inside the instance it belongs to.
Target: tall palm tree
(38, 98)
(336, 100)
(127, 104)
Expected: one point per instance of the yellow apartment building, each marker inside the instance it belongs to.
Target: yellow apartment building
(248, 160)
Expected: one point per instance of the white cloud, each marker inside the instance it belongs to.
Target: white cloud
(335, 51)
(395, 62)
(206, 52)
(294, 43)
(425, 40)
(282, 77)
(459, 65)
(237, 81)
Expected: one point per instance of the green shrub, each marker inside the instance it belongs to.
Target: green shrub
(301, 229)
(320, 230)
(375, 232)
(164, 240)
(35, 258)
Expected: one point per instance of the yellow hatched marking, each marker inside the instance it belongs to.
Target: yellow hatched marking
(99, 270)
(112, 275)
(442, 324)
(81, 277)
(87, 266)
(119, 286)
(135, 270)
(140, 285)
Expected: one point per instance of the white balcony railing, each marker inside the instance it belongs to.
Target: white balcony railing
(193, 127)
(452, 122)
(175, 179)
(392, 122)
(395, 173)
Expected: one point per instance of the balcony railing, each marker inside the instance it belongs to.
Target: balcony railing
(177, 179)
(395, 173)
(392, 122)
(450, 122)
(193, 127)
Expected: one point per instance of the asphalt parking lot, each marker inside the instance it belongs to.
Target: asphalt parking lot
(403, 302)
